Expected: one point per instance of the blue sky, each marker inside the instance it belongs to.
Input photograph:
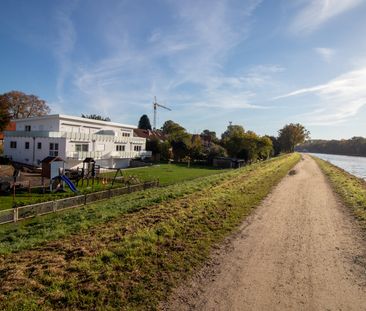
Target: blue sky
(260, 64)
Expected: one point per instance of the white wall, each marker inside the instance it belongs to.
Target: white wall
(27, 156)
(37, 124)
(61, 123)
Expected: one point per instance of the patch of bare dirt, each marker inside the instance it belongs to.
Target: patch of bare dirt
(301, 250)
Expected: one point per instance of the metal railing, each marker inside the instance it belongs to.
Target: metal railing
(129, 154)
(76, 136)
(81, 155)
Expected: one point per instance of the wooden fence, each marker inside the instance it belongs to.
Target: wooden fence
(28, 211)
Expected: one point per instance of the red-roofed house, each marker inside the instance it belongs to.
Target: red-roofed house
(10, 127)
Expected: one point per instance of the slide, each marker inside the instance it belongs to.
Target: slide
(69, 183)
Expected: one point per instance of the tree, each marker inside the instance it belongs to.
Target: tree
(215, 151)
(21, 105)
(144, 123)
(210, 136)
(291, 135)
(174, 130)
(4, 116)
(179, 139)
(196, 148)
(95, 117)
(276, 145)
(233, 139)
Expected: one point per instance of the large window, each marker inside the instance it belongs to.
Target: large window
(81, 147)
(26, 145)
(126, 134)
(39, 145)
(13, 144)
(120, 147)
(137, 148)
(53, 149)
(27, 128)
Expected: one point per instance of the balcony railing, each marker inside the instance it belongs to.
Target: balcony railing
(81, 155)
(97, 155)
(129, 154)
(75, 136)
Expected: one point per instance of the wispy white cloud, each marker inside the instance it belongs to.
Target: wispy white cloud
(190, 53)
(63, 47)
(317, 12)
(339, 100)
(327, 54)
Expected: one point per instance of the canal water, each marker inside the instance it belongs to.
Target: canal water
(353, 165)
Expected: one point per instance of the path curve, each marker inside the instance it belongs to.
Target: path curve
(300, 250)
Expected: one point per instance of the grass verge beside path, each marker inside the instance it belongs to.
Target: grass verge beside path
(133, 261)
(350, 188)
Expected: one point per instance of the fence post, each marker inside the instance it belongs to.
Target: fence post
(129, 188)
(85, 198)
(54, 206)
(109, 193)
(15, 218)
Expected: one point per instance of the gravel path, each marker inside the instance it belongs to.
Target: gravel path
(300, 250)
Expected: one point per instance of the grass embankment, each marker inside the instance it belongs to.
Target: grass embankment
(132, 261)
(166, 173)
(350, 188)
(169, 174)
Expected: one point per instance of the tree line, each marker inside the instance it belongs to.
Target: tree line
(356, 146)
(235, 142)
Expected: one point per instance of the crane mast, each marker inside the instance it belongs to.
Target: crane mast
(156, 105)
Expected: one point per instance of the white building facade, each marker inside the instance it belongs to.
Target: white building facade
(111, 145)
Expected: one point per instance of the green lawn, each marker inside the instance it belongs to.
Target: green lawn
(166, 173)
(129, 252)
(170, 173)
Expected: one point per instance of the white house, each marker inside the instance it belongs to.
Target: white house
(73, 139)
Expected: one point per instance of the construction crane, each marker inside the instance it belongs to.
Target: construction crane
(156, 105)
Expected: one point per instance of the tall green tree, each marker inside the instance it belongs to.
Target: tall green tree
(210, 136)
(144, 123)
(21, 105)
(276, 145)
(196, 151)
(95, 117)
(179, 139)
(233, 140)
(291, 135)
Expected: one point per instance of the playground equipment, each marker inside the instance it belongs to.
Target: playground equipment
(69, 183)
(66, 180)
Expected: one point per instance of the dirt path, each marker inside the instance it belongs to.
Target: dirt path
(300, 250)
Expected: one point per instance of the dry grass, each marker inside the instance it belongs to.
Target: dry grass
(133, 260)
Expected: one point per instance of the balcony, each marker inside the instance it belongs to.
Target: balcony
(75, 136)
(98, 155)
(129, 154)
(81, 155)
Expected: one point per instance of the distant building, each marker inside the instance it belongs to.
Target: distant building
(10, 127)
(149, 134)
(73, 139)
(225, 162)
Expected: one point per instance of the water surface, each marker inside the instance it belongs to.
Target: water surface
(354, 165)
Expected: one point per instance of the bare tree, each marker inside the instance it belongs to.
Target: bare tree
(21, 105)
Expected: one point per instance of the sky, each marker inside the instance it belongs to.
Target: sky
(260, 64)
